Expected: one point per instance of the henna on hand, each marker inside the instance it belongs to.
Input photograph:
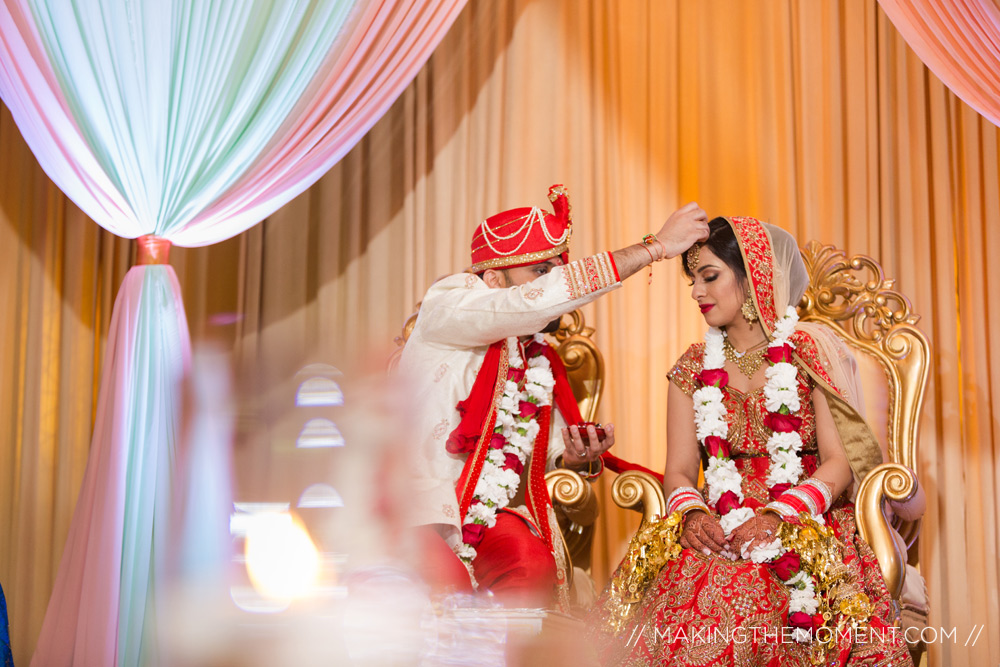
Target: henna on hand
(702, 531)
(760, 529)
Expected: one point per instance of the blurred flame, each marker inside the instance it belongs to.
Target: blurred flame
(282, 560)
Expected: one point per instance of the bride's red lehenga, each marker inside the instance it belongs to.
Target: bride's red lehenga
(701, 607)
(709, 610)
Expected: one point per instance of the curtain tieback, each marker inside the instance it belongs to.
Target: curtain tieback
(153, 250)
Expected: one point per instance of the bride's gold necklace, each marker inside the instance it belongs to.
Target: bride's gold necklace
(748, 362)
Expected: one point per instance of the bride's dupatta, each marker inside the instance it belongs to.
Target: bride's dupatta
(778, 279)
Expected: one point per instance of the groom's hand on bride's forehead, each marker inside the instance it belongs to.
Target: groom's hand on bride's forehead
(685, 227)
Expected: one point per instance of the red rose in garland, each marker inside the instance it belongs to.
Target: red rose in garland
(786, 565)
(780, 423)
(714, 376)
(717, 446)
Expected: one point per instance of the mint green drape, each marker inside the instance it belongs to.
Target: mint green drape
(176, 99)
(152, 421)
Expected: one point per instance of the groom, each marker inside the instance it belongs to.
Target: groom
(495, 396)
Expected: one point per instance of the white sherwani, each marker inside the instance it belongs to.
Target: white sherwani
(460, 317)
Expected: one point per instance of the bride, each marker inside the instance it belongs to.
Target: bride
(763, 564)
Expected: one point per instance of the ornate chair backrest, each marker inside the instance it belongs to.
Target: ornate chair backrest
(854, 297)
(584, 362)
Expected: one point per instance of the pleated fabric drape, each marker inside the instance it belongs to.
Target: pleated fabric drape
(959, 40)
(188, 122)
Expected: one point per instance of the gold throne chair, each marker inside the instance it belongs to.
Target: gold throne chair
(852, 295)
(573, 498)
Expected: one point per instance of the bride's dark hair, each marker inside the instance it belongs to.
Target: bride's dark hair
(722, 242)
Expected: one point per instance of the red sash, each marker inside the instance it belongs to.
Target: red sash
(479, 417)
(474, 431)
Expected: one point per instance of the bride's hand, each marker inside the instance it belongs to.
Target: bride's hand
(760, 529)
(703, 533)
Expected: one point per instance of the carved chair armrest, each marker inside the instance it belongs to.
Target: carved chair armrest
(887, 483)
(910, 510)
(640, 491)
(574, 494)
(576, 508)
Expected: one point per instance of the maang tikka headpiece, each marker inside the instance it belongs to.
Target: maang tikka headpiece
(693, 257)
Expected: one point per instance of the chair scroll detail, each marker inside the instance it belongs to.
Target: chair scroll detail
(640, 491)
(573, 495)
(585, 370)
(878, 321)
(889, 481)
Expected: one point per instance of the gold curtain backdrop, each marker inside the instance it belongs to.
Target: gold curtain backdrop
(811, 114)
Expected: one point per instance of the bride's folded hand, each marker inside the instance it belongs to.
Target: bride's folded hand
(703, 533)
(758, 530)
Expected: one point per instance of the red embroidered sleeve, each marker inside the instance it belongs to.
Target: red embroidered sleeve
(685, 372)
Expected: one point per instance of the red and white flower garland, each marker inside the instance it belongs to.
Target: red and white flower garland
(526, 390)
(723, 479)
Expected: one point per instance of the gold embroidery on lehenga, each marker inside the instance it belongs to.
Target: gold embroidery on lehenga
(652, 547)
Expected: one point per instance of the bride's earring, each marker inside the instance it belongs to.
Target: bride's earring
(749, 311)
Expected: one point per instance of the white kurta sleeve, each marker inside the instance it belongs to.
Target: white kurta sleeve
(462, 311)
(556, 444)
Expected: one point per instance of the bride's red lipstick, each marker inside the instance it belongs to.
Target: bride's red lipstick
(707, 307)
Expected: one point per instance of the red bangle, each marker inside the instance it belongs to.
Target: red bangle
(788, 505)
(685, 499)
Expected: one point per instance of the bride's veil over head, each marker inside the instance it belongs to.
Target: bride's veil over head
(778, 279)
(790, 276)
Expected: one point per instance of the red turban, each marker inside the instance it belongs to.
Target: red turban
(523, 236)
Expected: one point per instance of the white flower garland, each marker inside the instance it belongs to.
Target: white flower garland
(497, 483)
(721, 475)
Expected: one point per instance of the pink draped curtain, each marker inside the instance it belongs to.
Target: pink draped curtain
(959, 40)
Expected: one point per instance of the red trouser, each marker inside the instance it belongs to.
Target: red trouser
(438, 564)
(511, 561)
(515, 564)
